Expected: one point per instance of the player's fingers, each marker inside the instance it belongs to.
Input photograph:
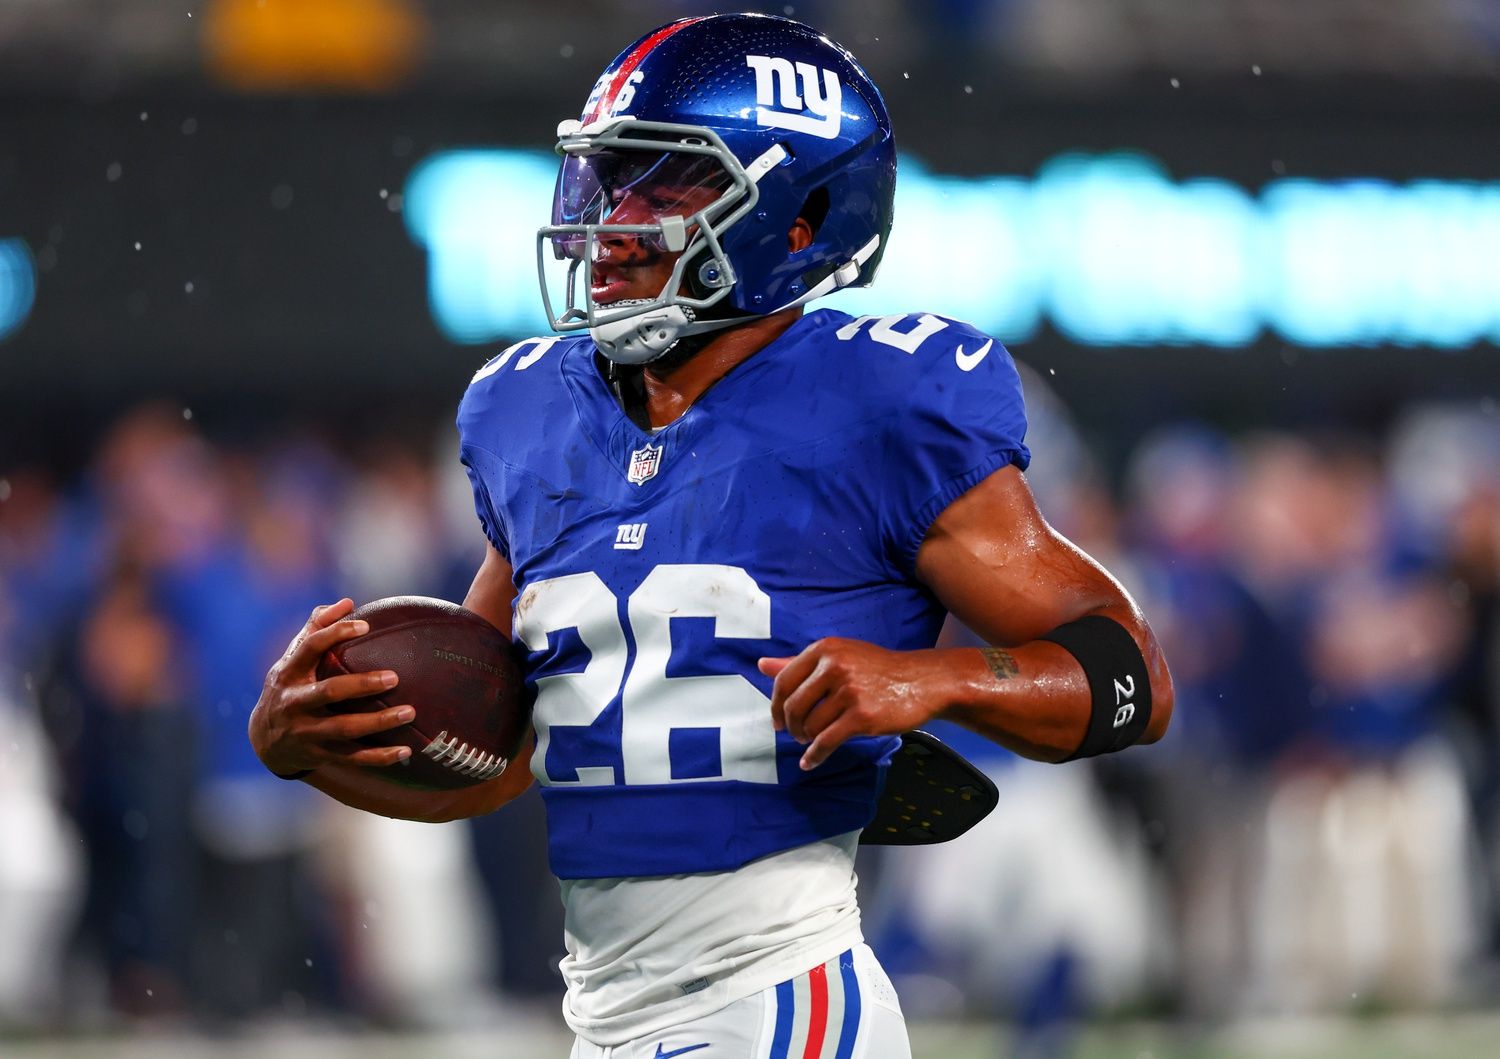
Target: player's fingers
(373, 756)
(343, 687)
(352, 726)
(772, 667)
(788, 680)
(823, 713)
(807, 696)
(305, 654)
(323, 615)
(326, 614)
(828, 740)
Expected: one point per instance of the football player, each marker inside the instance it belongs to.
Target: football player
(727, 530)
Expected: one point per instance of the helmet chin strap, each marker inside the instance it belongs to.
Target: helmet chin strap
(640, 339)
(649, 336)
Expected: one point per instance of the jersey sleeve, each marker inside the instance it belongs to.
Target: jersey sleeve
(964, 419)
(475, 463)
(479, 414)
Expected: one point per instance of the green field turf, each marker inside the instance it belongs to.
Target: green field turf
(1428, 1037)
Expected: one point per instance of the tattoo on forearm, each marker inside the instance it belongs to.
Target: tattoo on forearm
(1000, 662)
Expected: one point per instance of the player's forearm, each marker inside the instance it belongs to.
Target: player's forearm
(359, 790)
(1036, 700)
(363, 789)
(1033, 699)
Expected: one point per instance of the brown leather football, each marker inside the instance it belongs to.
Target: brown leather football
(457, 671)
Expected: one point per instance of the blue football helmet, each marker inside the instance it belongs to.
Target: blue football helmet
(708, 137)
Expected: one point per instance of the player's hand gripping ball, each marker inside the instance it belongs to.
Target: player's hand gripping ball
(456, 671)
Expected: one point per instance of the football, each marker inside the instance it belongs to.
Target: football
(457, 671)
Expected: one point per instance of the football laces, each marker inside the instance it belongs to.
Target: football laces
(464, 759)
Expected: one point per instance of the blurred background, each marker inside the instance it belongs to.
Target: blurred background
(1246, 252)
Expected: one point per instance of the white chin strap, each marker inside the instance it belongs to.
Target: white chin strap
(641, 339)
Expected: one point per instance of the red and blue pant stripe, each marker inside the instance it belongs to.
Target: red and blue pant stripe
(817, 1013)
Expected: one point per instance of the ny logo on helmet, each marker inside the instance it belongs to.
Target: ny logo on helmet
(803, 104)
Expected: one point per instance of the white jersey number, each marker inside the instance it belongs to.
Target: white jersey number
(883, 329)
(653, 705)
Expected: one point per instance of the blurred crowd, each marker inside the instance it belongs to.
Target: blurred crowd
(1319, 832)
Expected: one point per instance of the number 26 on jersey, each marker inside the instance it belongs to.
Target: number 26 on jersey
(666, 722)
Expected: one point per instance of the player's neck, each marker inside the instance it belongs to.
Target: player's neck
(671, 391)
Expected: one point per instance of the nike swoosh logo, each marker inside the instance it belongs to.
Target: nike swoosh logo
(677, 1051)
(969, 361)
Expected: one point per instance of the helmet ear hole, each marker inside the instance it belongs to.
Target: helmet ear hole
(815, 208)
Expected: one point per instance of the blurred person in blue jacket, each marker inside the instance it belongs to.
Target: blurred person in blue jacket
(50, 560)
(132, 767)
(1238, 668)
(114, 695)
(261, 912)
(1364, 887)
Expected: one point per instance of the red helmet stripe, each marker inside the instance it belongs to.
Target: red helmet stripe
(627, 67)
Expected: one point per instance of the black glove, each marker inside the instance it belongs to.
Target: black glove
(931, 795)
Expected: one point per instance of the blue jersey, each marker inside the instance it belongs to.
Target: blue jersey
(655, 568)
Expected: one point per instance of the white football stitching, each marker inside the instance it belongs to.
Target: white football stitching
(460, 757)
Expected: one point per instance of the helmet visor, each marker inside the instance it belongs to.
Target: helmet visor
(636, 188)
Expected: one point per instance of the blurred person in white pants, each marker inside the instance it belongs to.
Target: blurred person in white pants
(41, 873)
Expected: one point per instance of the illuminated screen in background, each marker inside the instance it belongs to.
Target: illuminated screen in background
(17, 285)
(1107, 248)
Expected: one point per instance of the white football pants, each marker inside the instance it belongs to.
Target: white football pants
(842, 1009)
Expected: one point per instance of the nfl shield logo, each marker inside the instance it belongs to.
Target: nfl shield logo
(644, 463)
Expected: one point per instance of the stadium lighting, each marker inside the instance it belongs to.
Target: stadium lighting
(17, 285)
(1107, 248)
